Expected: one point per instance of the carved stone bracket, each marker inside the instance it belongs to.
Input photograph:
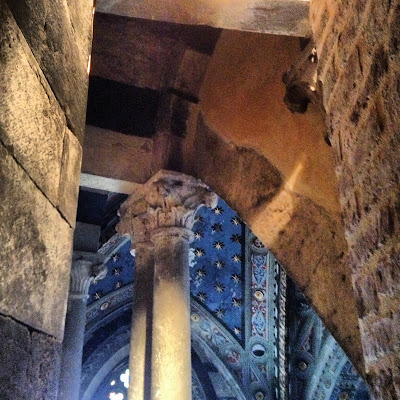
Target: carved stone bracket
(302, 84)
(86, 269)
(169, 199)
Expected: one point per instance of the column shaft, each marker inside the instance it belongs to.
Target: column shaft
(171, 356)
(86, 268)
(161, 213)
(72, 350)
(141, 339)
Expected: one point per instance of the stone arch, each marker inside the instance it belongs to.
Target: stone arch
(277, 171)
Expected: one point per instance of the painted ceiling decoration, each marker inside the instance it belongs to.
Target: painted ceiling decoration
(253, 334)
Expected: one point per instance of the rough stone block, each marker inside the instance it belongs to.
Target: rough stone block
(32, 124)
(44, 368)
(70, 172)
(35, 252)
(29, 363)
(108, 146)
(319, 17)
(388, 272)
(365, 287)
(58, 33)
(14, 360)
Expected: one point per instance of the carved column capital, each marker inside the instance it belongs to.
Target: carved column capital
(86, 269)
(168, 200)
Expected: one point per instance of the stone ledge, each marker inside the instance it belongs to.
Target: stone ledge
(281, 17)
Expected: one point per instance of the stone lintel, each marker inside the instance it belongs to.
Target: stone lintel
(103, 183)
(279, 17)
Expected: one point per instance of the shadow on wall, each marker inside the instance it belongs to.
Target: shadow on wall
(276, 170)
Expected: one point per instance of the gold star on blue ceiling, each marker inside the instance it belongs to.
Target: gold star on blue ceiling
(217, 267)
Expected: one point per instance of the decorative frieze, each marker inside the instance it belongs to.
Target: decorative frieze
(283, 388)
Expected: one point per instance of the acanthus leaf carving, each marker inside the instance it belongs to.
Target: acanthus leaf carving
(169, 199)
(87, 268)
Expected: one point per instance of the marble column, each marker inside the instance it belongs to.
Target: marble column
(86, 268)
(161, 213)
(140, 352)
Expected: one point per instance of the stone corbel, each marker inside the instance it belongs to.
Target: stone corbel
(302, 84)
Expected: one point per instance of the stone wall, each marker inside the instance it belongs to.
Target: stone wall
(358, 46)
(29, 363)
(44, 51)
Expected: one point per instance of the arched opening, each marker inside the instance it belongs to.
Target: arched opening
(253, 333)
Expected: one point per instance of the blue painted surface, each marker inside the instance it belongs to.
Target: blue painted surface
(121, 269)
(216, 266)
(216, 271)
(217, 281)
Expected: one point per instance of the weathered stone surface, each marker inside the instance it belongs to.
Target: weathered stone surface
(81, 19)
(69, 180)
(29, 363)
(282, 17)
(133, 155)
(307, 241)
(32, 124)
(58, 33)
(35, 252)
(357, 44)
(44, 368)
(168, 200)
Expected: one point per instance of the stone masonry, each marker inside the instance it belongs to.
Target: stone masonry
(44, 54)
(358, 46)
